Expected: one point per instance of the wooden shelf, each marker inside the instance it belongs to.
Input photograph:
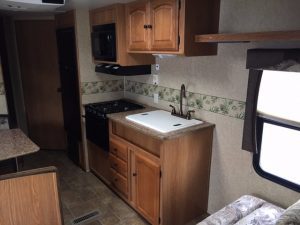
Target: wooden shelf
(249, 37)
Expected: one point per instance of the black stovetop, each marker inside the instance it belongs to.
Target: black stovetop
(116, 106)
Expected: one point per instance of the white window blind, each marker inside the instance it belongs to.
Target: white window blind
(279, 96)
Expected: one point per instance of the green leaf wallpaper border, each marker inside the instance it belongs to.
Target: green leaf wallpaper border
(98, 87)
(227, 107)
(2, 90)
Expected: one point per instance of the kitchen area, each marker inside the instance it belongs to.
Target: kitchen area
(142, 118)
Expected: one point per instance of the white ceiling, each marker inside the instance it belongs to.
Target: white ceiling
(26, 6)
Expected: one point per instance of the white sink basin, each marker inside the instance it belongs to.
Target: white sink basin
(162, 121)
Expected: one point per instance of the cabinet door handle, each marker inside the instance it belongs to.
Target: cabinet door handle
(145, 26)
(134, 174)
(150, 26)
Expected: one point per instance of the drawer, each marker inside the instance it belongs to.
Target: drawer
(119, 183)
(118, 165)
(119, 149)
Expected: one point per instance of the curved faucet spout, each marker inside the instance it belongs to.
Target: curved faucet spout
(182, 95)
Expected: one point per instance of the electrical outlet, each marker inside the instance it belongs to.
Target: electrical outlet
(155, 79)
(157, 67)
(155, 96)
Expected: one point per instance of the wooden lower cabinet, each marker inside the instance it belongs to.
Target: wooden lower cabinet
(169, 187)
(146, 182)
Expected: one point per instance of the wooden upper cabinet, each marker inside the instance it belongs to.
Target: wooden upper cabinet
(164, 22)
(138, 16)
(171, 26)
(147, 187)
(137, 19)
(103, 16)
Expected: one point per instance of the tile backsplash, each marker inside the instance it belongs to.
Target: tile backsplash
(214, 104)
(97, 87)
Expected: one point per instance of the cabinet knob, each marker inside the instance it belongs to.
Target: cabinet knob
(134, 174)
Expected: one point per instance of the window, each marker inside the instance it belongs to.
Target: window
(278, 128)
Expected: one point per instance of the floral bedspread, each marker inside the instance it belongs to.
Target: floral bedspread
(247, 210)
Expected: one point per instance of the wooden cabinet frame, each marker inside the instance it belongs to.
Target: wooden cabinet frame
(182, 169)
(190, 18)
(116, 14)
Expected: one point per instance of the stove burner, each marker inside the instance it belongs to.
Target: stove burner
(103, 108)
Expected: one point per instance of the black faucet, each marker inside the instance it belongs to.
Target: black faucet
(182, 95)
(188, 115)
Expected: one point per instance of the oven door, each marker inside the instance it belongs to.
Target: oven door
(97, 130)
(104, 43)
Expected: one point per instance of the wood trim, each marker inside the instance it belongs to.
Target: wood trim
(85, 159)
(249, 37)
(141, 140)
(51, 169)
(30, 184)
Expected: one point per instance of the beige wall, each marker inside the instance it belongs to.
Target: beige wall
(224, 75)
(88, 76)
(3, 106)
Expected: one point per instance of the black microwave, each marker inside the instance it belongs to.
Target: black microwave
(104, 42)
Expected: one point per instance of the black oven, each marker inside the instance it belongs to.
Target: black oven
(97, 129)
(104, 42)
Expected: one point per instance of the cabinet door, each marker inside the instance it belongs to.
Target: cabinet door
(164, 21)
(137, 16)
(103, 16)
(147, 187)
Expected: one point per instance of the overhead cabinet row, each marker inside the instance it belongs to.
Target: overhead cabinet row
(159, 27)
(169, 26)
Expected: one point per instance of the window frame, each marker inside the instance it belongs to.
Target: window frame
(256, 157)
